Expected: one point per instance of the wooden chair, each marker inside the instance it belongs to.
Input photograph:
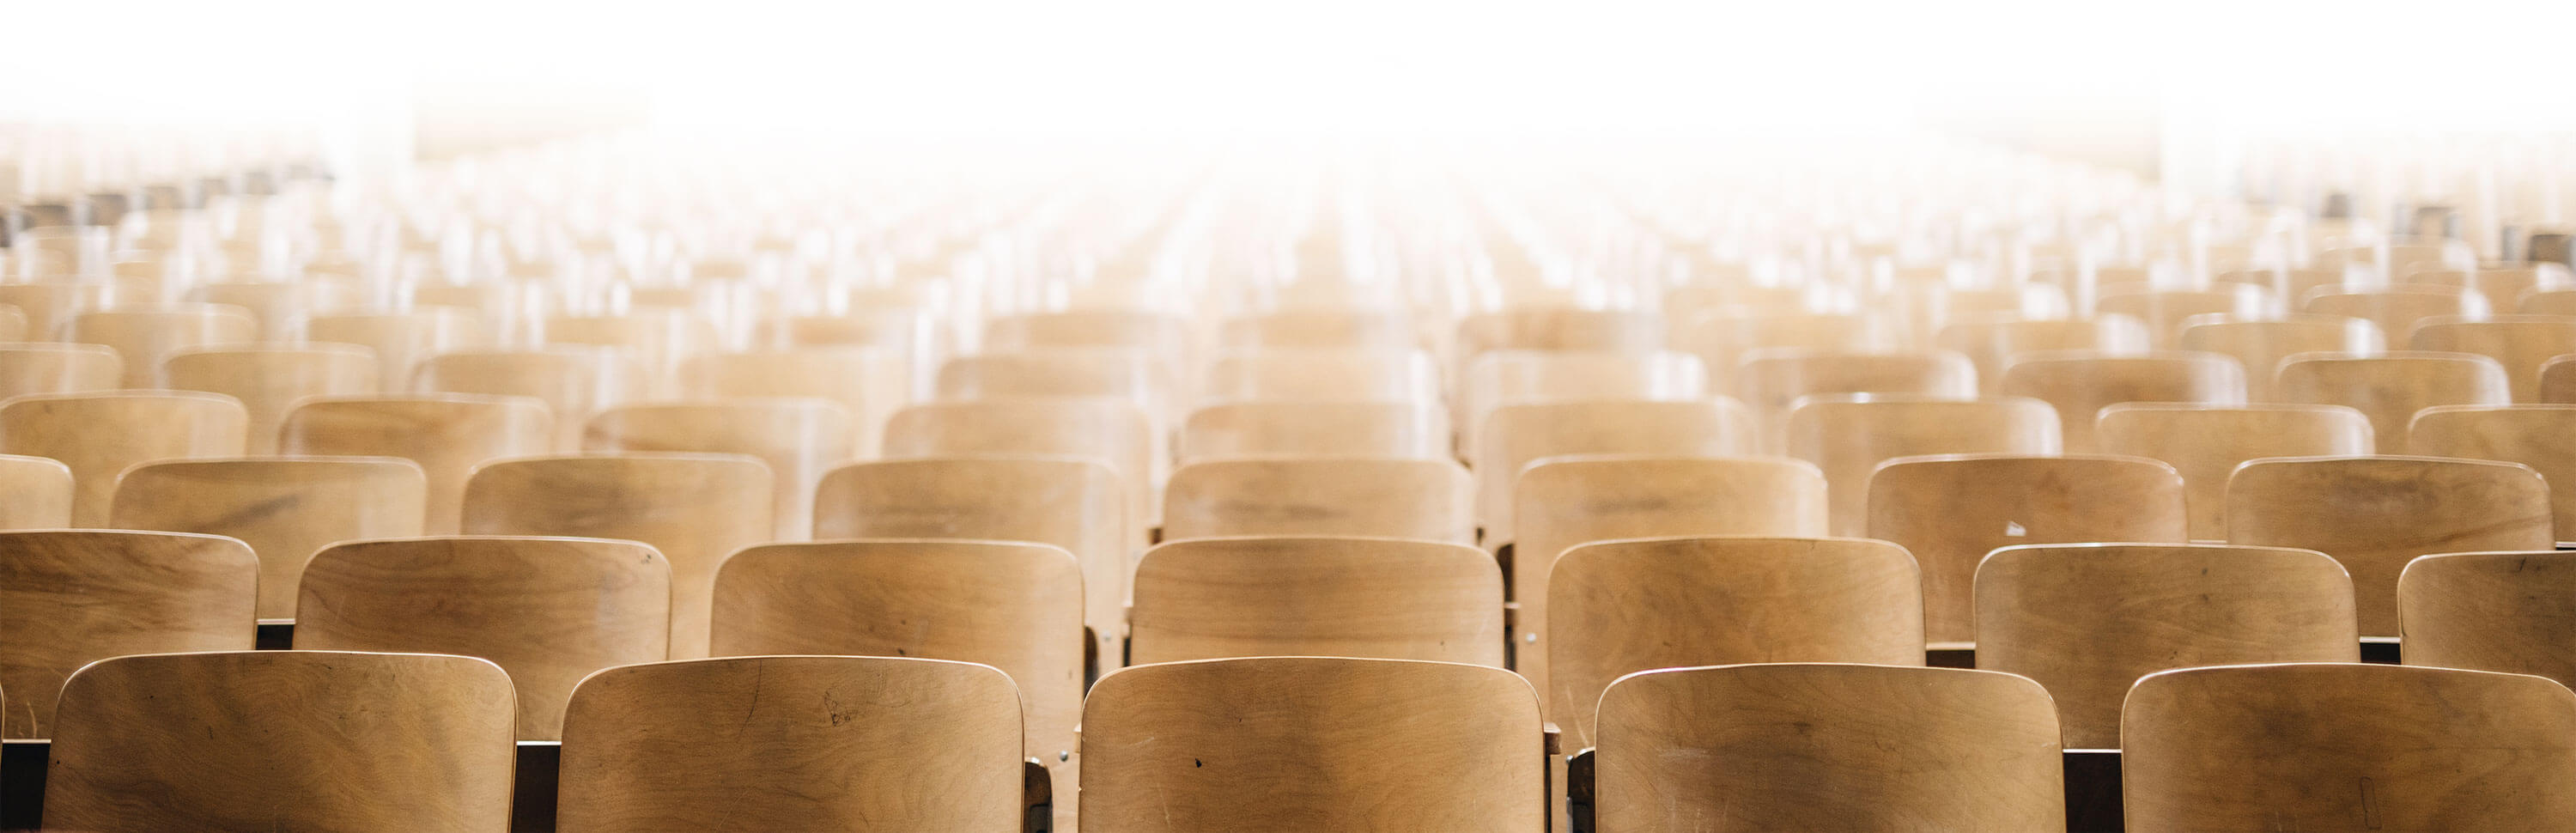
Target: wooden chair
(2087, 620)
(2165, 310)
(1619, 607)
(1518, 377)
(1069, 502)
(2504, 284)
(99, 434)
(2205, 444)
(1320, 329)
(1329, 375)
(2374, 514)
(1555, 328)
(2389, 389)
(694, 509)
(1315, 429)
(576, 383)
(2519, 342)
(2491, 611)
(447, 435)
(35, 493)
(2542, 437)
(146, 335)
(70, 597)
(1518, 435)
(2080, 384)
(1161, 334)
(547, 610)
(657, 338)
(1721, 338)
(1847, 437)
(2246, 747)
(1813, 746)
(1770, 381)
(2397, 308)
(1386, 498)
(2558, 380)
(1951, 510)
(868, 382)
(2546, 302)
(1131, 375)
(53, 367)
(285, 508)
(1109, 431)
(2260, 345)
(49, 307)
(279, 307)
(1212, 598)
(402, 339)
(283, 740)
(798, 439)
(1180, 745)
(268, 381)
(1990, 342)
(890, 744)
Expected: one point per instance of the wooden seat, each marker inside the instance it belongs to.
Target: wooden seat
(2259, 345)
(869, 383)
(798, 439)
(695, 509)
(2521, 343)
(2397, 308)
(99, 434)
(283, 740)
(1315, 429)
(1847, 437)
(1518, 435)
(1518, 377)
(547, 610)
(2491, 611)
(53, 367)
(1212, 598)
(1721, 338)
(402, 339)
(447, 435)
(1109, 431)
(2165, 310)
(2542, 437)
(1619, 607)
(1068, 502)
(2205, 444)
(1320, 329)
(2374, 514)
(49, 307)
(1327, 743)
(2334, 746)
(1385, 498)
(1951, 510)
(35, 493)
(576, 383)
(888, 744)
(285, 508)
(2087, 620)
(268, 381)
(1990, 342)
(2389, 389)
(1399, 376)
(2081, 384)
(1828, 747)
(72, 597)
(144, 336)
(1770, 381)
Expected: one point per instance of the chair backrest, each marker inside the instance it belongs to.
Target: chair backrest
(1556, 328)
(1519, 377)
(1770, 381)
(1283, 428)
(1328, 375)
(2389, 389)
(798, 439)
(401, 339)
(694, 509)
(2334, 746)
(870, 382)
(70, 597)
(1132, 375)
(2376, 513)
(1950, 510)
(889, 744)
(2505, 285)
(1990, 342)
(1161, 334)
(35, 493)
(2080, 384)
(146, 335)
(2540, 436)
(2087, 620)
(1320, 329)
(285, 508)
(49, 307)
(2491, 611)
(2519, 342)
(1847, 437)
(657, 338)
(2259, 345)
(2205, 443)
(2396, 308)
(279, 307)
(269, 380)
(1619, 607)
(1811, 746)
(1327, 743)
(1372, 497)
(283, 740)
(1213, 598)
(55, 367)
(574, 382)
(100, 434)
(1518, 435)
(547, 610)
(1110, 431)
(1722, 337)
(446, 434)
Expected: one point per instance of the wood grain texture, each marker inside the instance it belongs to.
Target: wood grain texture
(2542, 437)
(576, 383)
(2080, 384)
(1581, 499)
(35, 493)
(1520, 377)
(1951, 510)
(1847, 437)
(283, 741)
(2087, 620)
(547, 610)
(447, 435)
(694, 509)
(1329, 375)
(2205, 444)
(1213, 598)
(798, 439)
(285, 508)
(1312, 743)
(2390, 388)
(2521, 343)
(1619, 607)
(1068, 502)
(2259, 345)
(2374, 514)
(2165, 310)
(1518, 435)
(1990, 342)
(268, 381)
(72, 597)
(1315, 429)
(2491, 611)
(2396, 308)
(402, 339)
(1111, 431)
(54, 367)
(1769, 381)
(792, 743)
(49, 307)
(2348, 747)
(1384, 498)
(869, 382)
(146, 335)
(1828, 747)
(100, 434)
(1320, 329)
